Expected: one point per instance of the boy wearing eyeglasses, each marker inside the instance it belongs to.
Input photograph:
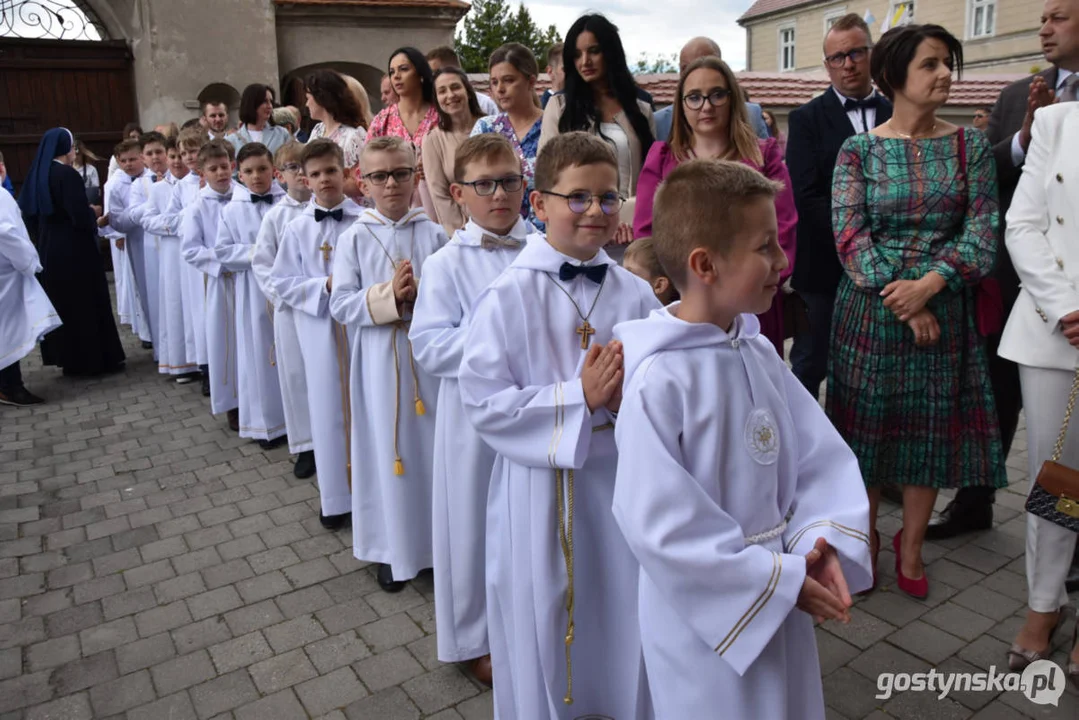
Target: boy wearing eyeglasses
(489, 184)
(541, 382)
(375, 276)
(301, 279)
(287, 353)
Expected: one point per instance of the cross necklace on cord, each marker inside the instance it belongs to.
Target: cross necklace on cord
(585, 330)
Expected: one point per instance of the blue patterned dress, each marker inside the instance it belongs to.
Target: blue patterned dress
(914, 415)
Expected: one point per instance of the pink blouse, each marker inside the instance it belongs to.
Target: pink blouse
(661, 161)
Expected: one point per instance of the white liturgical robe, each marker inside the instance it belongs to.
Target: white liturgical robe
(303, 264)
(262, 416)
(728, 472)
(452, 280)
(198, 240)
(26, 315)
(393, 399)
(171, 345)
(290, 371)
(126, 197)
(118, 186)
(521, 388)
(193, 282)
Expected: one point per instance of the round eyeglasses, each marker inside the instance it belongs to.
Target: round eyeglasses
(399, 175)
(716, 98)
(485, 187)
(581, 202)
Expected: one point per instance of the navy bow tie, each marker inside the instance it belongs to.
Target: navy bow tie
(267, 198)
(321, 215)
(872, 101)
(595, 273)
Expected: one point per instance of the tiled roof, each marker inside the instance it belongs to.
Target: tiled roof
(767, 7)
(435, 4)
(776, 90)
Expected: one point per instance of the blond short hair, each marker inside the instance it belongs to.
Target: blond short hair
(700, 205)
(571, 149)
(193, 138)
(289, 152)
(486, 147)
(388, 143)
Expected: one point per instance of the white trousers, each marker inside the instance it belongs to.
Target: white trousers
(1049, 546)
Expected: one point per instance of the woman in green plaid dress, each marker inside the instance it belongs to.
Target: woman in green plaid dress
(915, 215)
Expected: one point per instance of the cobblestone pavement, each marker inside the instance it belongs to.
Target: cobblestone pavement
(153, 565)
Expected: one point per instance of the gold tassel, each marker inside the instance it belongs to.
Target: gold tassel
(420, 409)
(398, 467)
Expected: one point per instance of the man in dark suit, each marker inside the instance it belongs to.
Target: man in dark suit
(1009, 133)
(815, 133)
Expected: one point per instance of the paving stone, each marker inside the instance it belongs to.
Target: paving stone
(214, 602)
(241, 547)
(134, 538)
(197, 560)
(988, 603)
(108, 635)
(201, 634)
(205, 538)
(49, 602)
(22, 585)
(173, 707)
(863, 630)
(279, 706)
(958, 621)
(920, 705)
(345, 616)
(391, 703)
(180, 587)
(224, 693)
(482, 708)
(148, 574)
(336, 651)
(387, 604)
(439, 689)
(99, 587)
(387, 669)
(122, 694)
(25, 690)
(227, 573)
(85, 673)
(11, 662)
(390, 632)
(274, 559)
(850, 693)
(145, 653)
(241, 652)
(159, 619)
(294, 633)
(265, 586)
(927, 642)
(72, 707)
(282, 671)
(304, 601)
(253, 617)
(310, 572)
(329, 692)
(52, 653)
(162, 549)
(128, 603)
(984, 652)
(182, 672)
(72, 620)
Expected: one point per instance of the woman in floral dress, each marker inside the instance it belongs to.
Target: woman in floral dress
(915, 215)
(413, 116)
(340, 118)
(513, 84)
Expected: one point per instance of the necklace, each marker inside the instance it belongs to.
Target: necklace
(905, 136)
(585, 330)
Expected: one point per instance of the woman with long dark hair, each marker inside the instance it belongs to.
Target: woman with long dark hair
(256, 120)
(54, 198)
(458, 111)
(601, 98)
(415, 113)
(340, 118)
(514, 71)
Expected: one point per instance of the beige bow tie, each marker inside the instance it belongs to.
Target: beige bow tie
(492, 242)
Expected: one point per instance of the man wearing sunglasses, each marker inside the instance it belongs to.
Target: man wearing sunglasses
(815, 133)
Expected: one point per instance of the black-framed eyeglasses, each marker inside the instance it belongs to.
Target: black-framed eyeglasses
(716, 98)
(580, 202)
(399, 175)
(485, 187)
(856, 55)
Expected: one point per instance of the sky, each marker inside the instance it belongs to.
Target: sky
(656, 27)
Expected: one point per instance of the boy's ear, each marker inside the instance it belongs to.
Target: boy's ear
(701, 265)
(661, 284)
(278, 175)
(457, 192)
(539, 204)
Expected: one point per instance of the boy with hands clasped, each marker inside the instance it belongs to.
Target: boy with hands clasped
(539, 381)
(742, 503)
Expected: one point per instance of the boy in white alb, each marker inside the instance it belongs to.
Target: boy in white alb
(197, 244)
(541, 380)
(489, 184)
(742, 503)
(193, 283)
(287, 353)
(301, 279)
(262, 416)
(171, 347)
(128, 154)
(375, 274)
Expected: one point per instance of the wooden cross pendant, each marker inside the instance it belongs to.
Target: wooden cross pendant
(586, 332)
(325, 250)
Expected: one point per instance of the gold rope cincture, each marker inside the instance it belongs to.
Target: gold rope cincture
(340, 336)
(564, 500)
(586, 331)
(398, 462)
(273, 343)
(230, 321)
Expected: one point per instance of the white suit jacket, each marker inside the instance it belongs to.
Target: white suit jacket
(1043, 241)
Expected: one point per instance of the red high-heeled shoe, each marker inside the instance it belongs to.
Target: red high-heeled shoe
(918, 589)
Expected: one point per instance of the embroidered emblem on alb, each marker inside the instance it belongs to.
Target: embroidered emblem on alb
(762, 437)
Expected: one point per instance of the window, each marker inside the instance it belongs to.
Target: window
(832, 16)
(901, 12)
(786, 48)
(982, 18)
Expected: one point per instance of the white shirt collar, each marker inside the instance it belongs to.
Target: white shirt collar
(472, 234)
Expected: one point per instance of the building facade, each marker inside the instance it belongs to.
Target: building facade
(999, 36)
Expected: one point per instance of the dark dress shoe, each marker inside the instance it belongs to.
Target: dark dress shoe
(386, 581)
(305, 465)
(334, 522)
(19, 397)
(271, 444)
(234, 420)
(481, 669)
(956, 519)
(206, 384)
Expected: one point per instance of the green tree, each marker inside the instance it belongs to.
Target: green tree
(492, 23)
(654, 65)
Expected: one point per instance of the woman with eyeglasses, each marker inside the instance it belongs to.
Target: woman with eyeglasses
(458, 111)
(710, 121)
(601, 98)
(413, 116)
(514, 71)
